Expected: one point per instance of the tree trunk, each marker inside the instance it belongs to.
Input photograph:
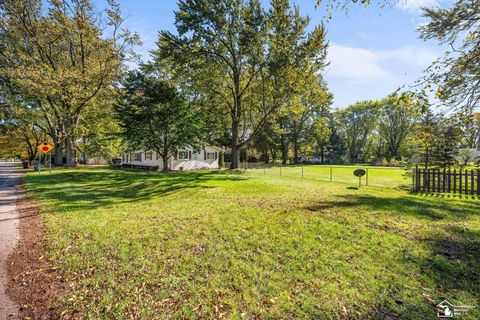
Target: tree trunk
(58, 154)
(235, 164)
(236, 115)
(295, 151)
(70, 152)
(322, 153)
(284, 150)
(165, 164)
(274, 155)
(235, 150)
(295, 143)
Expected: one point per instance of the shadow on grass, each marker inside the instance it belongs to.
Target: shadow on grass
(460, 196)
(407, 205)
(83, 190)
(451, 266)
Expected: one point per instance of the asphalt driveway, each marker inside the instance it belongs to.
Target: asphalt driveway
(9, 234)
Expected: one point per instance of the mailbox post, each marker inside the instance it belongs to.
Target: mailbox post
(359, 173)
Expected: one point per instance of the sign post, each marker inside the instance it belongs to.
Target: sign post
(46, 148)
(359, 173)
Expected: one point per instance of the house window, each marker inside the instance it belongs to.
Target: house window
(149, 155)
(182, 155)
(123, 157)
(138, 156)
(210, 155)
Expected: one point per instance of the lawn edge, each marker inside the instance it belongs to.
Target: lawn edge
(34, 284)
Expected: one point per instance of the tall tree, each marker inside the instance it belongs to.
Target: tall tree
(457, 74)
(423, 136)
(397, 116)
(225, 39)
(294, 73)
(446, 140)
(321, 133)
(154, 116)
(470, 124)
(356, 123)
(247, 59)
(98, 136)
(60, 55)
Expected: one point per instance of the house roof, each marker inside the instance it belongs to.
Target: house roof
(215, 147)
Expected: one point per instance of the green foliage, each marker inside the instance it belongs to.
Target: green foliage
(321, 133)
(397, 116)
(457, 74)
(356, 124)
(445, 141)
(60, 56)
(11, 141)
(250, 64)
(221, 47)
(221, 159)
(20, 133)
(154, 116)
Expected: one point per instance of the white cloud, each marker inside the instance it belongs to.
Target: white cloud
(354, 63)
(410, 55)
(415, 4)
(367, 65)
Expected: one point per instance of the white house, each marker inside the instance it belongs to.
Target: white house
(184, 159)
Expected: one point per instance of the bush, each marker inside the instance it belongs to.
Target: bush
(221, 159)
(252, 159)
(227, 157)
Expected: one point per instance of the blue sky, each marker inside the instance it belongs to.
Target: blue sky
(372, 50)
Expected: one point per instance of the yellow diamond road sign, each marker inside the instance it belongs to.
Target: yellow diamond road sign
(45, 147)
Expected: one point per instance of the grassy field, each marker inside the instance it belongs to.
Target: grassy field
(377, 176)
(145, 245)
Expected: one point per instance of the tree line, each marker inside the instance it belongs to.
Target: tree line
(399, 129)
(234, 74)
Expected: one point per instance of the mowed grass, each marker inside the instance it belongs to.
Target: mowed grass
(146, 245)
(376, 176)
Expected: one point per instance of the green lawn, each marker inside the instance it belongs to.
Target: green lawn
(145, 245)
(377, 176)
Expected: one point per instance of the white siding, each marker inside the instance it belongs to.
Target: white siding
(197, 161)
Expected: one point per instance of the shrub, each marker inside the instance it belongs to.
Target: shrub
(221, 159)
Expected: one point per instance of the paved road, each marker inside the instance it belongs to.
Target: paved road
(8, 232)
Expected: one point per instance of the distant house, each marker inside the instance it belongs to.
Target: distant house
(184, 159)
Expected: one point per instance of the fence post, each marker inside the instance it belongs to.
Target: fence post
(428, 180)
(478, 182)
(472, 183)
(444, 187)
(466, 181)
(439, 179)
(433, 180)
(454, 180)
(449, 180)
(417, 178)
(460, 182)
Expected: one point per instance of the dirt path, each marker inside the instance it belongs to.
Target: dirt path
(9, 234)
